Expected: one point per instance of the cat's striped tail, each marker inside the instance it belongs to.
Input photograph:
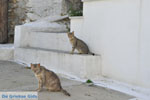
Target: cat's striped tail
(91, 53)
(65, 92)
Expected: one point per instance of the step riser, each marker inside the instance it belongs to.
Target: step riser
(26, 38)
(82, 66)
(56, 41)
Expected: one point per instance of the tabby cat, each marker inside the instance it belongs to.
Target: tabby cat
(78, 44)
(47, 79)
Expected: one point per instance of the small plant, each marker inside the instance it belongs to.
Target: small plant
(73, 12)
(89, 81)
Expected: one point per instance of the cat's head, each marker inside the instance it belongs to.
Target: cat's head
(35, 68)
(70, 34)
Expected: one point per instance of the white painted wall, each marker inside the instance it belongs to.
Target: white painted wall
(77, 25)
(144, 70)
(118, 30)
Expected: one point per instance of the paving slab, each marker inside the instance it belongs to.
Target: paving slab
(15, 77)
(6, 51)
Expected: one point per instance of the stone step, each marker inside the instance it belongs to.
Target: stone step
(45, 40)
(82, 66)
(45, 26)
(54, 18)
(6, 52)
(57, 41)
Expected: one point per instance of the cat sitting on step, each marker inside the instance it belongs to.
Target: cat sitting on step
(47, 79)
(78, 44)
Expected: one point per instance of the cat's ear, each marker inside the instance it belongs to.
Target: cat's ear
(73, 32)
(31, 64)
(38, 65)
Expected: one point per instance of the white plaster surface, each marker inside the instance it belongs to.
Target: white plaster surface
(77, 25)
(118, 30)
(46, 25)
(55, 41)
(52, 48)
(83, 66)
(144, 47)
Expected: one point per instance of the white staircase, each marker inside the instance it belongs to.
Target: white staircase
(83, 66)
(51, 48)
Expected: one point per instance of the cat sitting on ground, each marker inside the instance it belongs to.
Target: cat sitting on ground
(47, 79)
(78, 44)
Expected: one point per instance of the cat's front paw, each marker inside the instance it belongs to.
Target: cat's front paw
(38, 90)
(72, 52)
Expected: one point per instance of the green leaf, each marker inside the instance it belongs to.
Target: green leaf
(89, 81)
(73, 12)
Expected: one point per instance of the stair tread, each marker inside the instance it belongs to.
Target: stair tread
(5, 46)
(57, 51)
(45, 26)
(54, 32)
(49, 32)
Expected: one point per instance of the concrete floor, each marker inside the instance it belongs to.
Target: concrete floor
(14, 77)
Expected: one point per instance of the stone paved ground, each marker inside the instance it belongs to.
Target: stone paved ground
(14, 77)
